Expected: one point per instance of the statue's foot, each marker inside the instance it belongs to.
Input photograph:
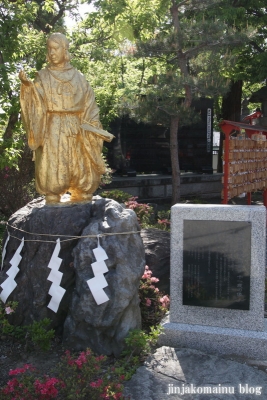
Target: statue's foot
(77, 197)
(52, 198)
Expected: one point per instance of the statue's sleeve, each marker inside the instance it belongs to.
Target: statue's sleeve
(93, 142)
(33, 112)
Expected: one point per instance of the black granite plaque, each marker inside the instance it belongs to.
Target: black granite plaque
(216, 264)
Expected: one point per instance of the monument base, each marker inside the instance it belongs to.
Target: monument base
(217, 340)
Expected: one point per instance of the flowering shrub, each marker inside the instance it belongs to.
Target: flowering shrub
(81, 377)
(164, 221)
(85, 378)
(153, 303)
(144, 212)
(26, 386)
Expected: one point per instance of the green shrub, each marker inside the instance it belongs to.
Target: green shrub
(144, 212)
(153, 303)
(117, 195)
(39, 334)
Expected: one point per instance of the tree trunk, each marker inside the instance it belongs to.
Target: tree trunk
(174, 160)
(13, 119)
(118, 161)
(231, 104)
(231, 111)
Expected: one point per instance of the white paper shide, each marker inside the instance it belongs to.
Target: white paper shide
(9, 284)
(98, 283)
(55, 276)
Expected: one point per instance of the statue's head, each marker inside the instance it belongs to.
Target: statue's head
(58, 49)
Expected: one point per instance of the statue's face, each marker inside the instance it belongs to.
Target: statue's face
(56, 53)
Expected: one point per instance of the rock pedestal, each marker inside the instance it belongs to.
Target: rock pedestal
(82, 322)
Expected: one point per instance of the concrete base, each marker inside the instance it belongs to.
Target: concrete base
(225, 341)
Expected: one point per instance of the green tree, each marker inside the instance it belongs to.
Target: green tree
(250, 68)
(188, 50)
(24, 26)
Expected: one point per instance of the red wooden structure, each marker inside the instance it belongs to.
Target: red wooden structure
(228, 128)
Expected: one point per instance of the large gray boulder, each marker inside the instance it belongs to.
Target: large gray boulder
(104, 327)
(193, 375)
(82, 322)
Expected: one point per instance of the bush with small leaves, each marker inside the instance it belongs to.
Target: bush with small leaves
(153, 303)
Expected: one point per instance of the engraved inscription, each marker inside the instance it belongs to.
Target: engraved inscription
(216, 264)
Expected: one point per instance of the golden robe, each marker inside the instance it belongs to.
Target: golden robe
(67, 158)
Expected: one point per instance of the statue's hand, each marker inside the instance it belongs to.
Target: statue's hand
(24, 79)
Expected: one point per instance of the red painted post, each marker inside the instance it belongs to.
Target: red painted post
(226, 168)
(265, 197)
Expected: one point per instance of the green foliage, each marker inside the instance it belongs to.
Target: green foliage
(39, 334)
(7, 330)
(138, 345)
(106, 178)
(195, 200)
(23, 29)
(116, 194)
(83, 376)
(18, 183)
(163, 220)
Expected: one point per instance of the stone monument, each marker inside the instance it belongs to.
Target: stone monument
(218, 279)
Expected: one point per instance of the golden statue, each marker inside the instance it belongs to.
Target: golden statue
(62, 124)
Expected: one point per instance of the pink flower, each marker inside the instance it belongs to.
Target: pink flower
(81, 360)
(96, 384)
(100, 358)
(147, 273)
(164, 221)
(11, 385)
(145, 276)
(47, 388)
(21, 370)
(153, 279)
(165, 301)
(148, 302)
(9, 310)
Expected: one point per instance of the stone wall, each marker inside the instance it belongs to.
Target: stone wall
(156, 187)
